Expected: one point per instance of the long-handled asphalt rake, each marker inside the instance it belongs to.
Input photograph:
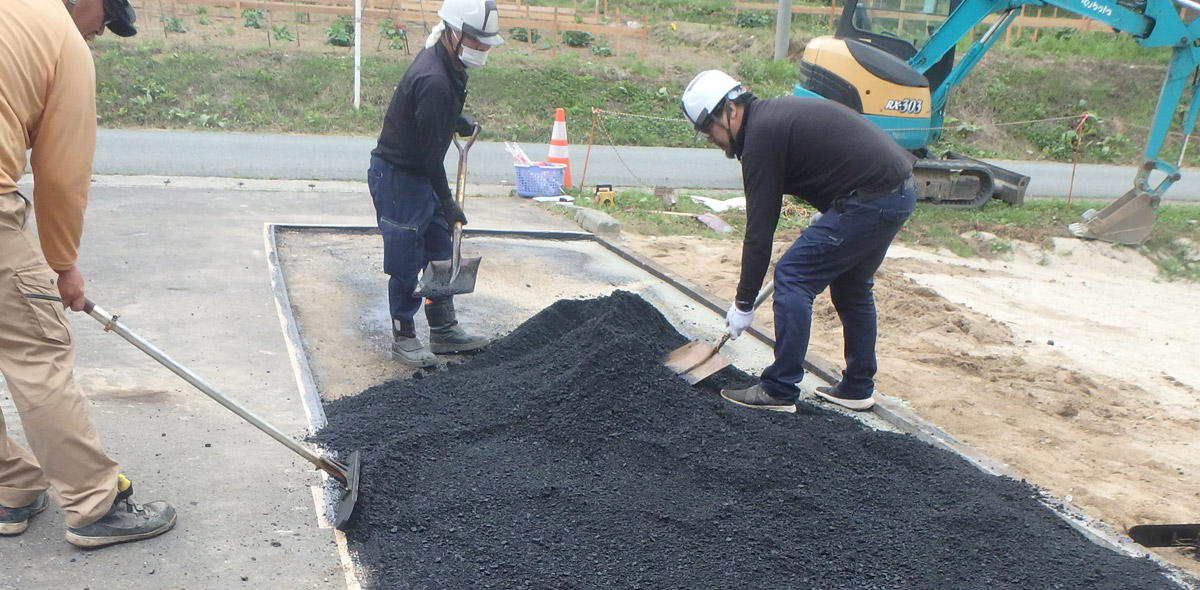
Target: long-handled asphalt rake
(345, 475)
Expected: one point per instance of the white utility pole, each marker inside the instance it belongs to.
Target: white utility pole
(783, 26)
(358, 49)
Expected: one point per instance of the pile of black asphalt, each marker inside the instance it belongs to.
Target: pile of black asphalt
(566, 455)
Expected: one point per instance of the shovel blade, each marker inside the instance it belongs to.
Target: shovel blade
(345, 506)
(696, 361)
(439, 279)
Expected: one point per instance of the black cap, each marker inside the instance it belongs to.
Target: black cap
(119, 17)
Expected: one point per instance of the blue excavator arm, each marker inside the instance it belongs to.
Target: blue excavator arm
(1157, 23)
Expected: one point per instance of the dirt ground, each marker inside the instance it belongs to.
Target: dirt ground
(1074, 365)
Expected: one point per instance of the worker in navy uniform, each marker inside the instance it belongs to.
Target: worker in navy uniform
(856, 176)
(407, 178)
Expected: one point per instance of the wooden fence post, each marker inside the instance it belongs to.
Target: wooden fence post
(237, 15)
(554, 42)
(645, 34)
(618, 31)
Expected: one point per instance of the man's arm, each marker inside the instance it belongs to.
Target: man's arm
(62, 149)
(762, 177)
(436, 120)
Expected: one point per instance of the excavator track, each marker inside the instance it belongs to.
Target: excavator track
(953, 184)
(960, 182)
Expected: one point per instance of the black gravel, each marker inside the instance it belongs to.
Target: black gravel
(567, 456)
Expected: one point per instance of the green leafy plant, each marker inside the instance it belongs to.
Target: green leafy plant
(602, 50)
(394, 32)
(751, 19)
(524, 36)
(253, 18)
(281, 33)
(577, 38)
(173, 24)
(203, 19)
(201, 10)
(340, 32)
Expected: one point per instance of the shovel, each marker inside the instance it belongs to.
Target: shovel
(696, 361)
(443, 278)
(347, 476)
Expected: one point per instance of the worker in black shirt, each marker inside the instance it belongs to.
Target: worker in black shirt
(860, 181)
(407, 178)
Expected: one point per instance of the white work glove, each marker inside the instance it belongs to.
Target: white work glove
(738, 320)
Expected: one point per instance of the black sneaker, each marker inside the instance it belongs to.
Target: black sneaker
(755, 397)
(125, 521)
(14, 521)
(831, 394)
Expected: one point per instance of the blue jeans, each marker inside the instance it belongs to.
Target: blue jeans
(414, 231)
(842, 251)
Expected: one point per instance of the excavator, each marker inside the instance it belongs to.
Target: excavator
(894, 62)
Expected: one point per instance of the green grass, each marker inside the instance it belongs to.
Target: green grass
(1094, 45)
(265, 90)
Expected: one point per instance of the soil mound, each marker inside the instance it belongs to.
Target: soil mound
(566, 456)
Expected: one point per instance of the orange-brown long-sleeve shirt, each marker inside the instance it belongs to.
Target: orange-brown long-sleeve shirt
(48, 105)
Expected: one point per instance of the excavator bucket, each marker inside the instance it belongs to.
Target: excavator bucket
(1128, 220)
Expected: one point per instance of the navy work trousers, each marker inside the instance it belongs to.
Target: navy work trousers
(414, 231)
(841, 251)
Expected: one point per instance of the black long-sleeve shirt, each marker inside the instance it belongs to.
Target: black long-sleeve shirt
(420, 120)
(812, 149)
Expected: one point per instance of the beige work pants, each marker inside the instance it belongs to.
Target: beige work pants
(37, 359)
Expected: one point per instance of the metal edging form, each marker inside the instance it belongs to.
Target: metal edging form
(891, 410)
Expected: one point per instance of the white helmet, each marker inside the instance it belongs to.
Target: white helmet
(477, 18)
(705, 93)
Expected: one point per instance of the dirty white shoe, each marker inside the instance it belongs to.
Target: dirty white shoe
(830, 394)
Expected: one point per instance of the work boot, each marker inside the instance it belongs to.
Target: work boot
(125, 521)
(756, 397)
(832, 395)
(445, 335)
(14, 521)
(407, 348)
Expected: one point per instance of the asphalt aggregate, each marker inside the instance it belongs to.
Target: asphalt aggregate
(566, 456)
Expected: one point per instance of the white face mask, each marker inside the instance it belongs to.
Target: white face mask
(472, 58)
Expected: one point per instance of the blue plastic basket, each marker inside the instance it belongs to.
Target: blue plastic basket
(540, 181)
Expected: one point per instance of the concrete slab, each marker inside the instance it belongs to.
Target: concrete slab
(186, 269)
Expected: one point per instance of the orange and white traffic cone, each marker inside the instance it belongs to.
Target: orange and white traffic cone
(558, 145)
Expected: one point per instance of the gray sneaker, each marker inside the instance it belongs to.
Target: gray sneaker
(124, 522)
(832, 395)
(755, 397)
(14, 521)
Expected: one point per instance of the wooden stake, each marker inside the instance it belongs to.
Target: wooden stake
(645, 34)
(618, 31)
(586, 156)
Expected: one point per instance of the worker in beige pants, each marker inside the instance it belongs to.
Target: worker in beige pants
(37, 359)
(48, 110)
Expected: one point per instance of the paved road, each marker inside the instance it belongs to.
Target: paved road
(239, 155)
